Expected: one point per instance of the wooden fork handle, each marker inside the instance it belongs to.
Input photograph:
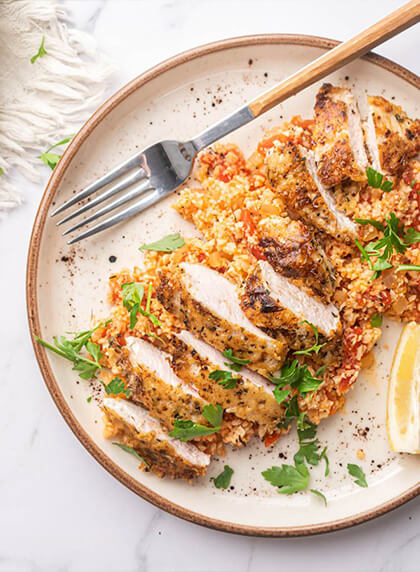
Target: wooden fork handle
(391, 25)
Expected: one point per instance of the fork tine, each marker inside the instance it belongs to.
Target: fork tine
(126, 182)
(131, 194)
(99, 183)
(138, 207)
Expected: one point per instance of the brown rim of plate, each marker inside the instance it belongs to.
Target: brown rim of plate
(32, 296)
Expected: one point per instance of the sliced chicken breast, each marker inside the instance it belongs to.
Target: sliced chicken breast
(163, 455)
(392, 138)
(209, 306)
(292, 172)
(272, 301)
(298, 255)
(250, 399)
(338, 135)
(153, 383)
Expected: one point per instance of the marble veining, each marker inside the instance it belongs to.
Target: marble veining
(59, 510)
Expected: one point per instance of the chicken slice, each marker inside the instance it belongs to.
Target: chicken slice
(392, 138)
(153, 383)
(272, 301)
(210, 308)
(298, 255)
(251, 398)
(338, 135)
(163, 455)
(292, 172)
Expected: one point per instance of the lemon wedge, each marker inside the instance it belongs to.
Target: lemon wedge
(403, 415)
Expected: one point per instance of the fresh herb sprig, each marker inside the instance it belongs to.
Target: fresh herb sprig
(117, 387)
(376, 320)
(168, 243)
(51, 159)
(315, 347)
(298, 377)
(133, 297)
(357, 472)
(224, 378)
(378, 181)
(185, 429)
(41, 51)
(222, 481)
(395, 239)
(70, 349)
(309, 445)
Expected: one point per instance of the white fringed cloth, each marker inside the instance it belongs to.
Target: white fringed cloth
(43, 102)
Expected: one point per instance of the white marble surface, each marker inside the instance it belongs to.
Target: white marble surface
(59, 510)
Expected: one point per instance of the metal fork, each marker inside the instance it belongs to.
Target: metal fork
(157, 171)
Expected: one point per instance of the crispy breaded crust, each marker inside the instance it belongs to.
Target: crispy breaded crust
(288, 175)
(265, 355)
(246, 400)
(162, 457)
(397, 136)
(163, 401)
(333, 151)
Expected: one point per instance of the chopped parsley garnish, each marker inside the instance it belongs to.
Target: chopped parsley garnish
(395, 238)
(376, 320)
(291, 479)
(168, 243)
(235, 360)
(281, 394)
(41, 51)
(316, 347)
(1, 171)
(298, 377)
(51, 159)
(224, 378)
(70, 350)
(133, 297)
(222, 481)
(376, 180)
(357, 472)
(291, 412)
(89, 399)
(132, 451)
(185, 430)
(309, 445)
(116, 387)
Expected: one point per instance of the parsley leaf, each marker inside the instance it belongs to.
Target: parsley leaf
(41, 51)
(376, 320)
(224, 378)
(357, 472)
(70, 350)
(281, 394)
(394, 238)
(185, 430)
(51, 159)
(316, 347)
(298, 377)
(288, 478)
(168, 243)
(133, 297)
(222, 481)
(376, 180)
(116, 387)
(89, 399)
(229, 355)
(132, 451)
(309, 444)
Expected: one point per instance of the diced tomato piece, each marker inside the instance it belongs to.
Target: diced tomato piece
(271, 439)
(246, 218)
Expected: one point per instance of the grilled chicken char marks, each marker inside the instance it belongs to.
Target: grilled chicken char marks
(299, 257)
(164, 455)
(291, 172)
(339, 145)
(208, 304)
(272, 301)
(392, 137)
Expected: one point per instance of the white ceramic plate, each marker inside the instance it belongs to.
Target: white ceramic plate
(177, 99)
